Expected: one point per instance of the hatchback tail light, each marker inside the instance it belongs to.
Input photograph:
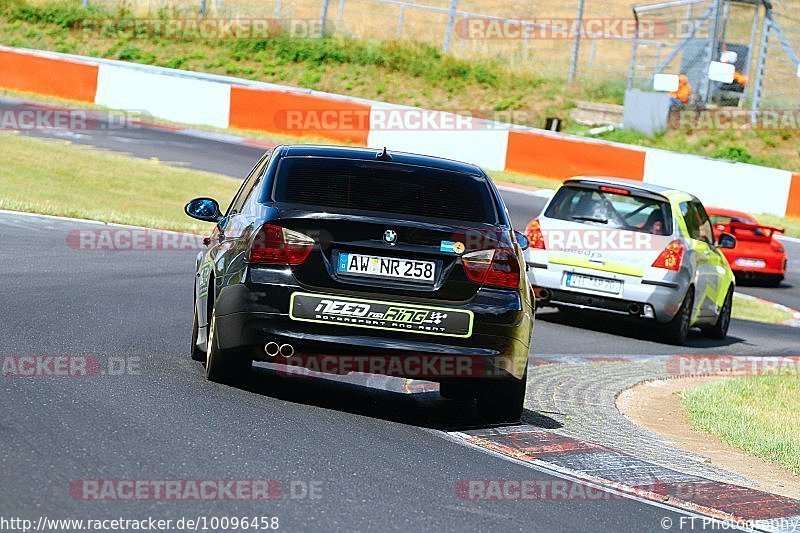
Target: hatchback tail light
(671, 257)
(274, 245)
(533, 232)
(496, 268)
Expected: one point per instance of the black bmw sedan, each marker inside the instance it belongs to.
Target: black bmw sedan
(342, 259)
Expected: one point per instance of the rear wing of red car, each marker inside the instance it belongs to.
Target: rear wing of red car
(753, 232)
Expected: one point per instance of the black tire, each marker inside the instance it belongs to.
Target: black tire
(224, 366)
(457, 390)
(676, 330)
(197, 353)
(502, 400)
(774, 280)
(720, 329)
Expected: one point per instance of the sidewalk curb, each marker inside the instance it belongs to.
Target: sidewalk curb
(608, 468)
(794, 322)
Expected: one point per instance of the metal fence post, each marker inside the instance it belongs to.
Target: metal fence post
(762, 58)
(705, 83)
(324, 16)
(451, 20)
(751, 49)
(400, 20)
(576, 44)
(340, 14)
(85, 3)
(526, 44)
(202, 8)
(634, 45)
(278, 9)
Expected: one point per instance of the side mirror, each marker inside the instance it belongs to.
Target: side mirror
(522, 240)
(205, 209)
(726, 240)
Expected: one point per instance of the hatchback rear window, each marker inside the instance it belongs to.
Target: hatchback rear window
(612, 207)
(721, 219)
(385, 187)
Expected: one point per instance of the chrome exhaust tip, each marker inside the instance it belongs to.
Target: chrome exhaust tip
(286, 350)
(272, 349)
(544, 294)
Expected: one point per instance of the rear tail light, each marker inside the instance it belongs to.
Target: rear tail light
(614, 190)
(274, 245)
(497, 268)
(777, 247)
(671, 257)
(534, 234)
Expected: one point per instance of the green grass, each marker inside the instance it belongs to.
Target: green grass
(758, 414)
(747, 309)
(56, 178)
(790, 224)
(403, 72)
(771, 148)
(528, 180)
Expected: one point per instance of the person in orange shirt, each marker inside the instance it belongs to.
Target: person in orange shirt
(740, 79)
(680, 97)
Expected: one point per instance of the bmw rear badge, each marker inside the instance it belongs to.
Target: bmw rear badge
(390, 236)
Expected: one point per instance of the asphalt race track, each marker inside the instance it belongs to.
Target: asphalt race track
(204, 151)
(375, 454)
(377, 458)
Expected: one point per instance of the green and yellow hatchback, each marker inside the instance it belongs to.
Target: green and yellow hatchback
(634, 249)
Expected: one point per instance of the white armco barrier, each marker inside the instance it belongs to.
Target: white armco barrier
(168, 96)
(208, 99)
(720, 183)
(423, 131)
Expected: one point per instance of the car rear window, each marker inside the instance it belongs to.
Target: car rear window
(612, 207)
(725, 220)
(392, 188)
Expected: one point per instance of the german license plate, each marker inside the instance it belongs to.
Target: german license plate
(376, 314)
(386, 267)
(579, 281)
(750, 263)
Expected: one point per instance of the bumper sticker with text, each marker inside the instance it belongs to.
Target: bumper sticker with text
(375, 314)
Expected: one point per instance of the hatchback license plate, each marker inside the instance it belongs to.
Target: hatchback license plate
(386, 267)
(579, 281)
(750, 263)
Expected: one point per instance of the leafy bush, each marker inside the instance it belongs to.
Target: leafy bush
(734, 153)
(62, 15)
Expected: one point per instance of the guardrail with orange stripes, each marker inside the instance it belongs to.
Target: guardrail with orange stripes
(222, 101)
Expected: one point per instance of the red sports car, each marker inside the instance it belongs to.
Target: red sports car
(758, 253)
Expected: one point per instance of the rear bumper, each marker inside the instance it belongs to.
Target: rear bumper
(250, 315)
(774, 265)
(753, 273)
(663, 295)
